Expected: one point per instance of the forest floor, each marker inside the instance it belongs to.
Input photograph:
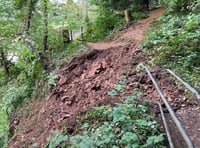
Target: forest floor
(85, 81)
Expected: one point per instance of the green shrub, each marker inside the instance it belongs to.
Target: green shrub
(105, 22)
(175, 44)
(72, 49)
(56, 139)
(52, 79)
(15, 95)
(182, 5)
(139, 15)
(3, 126)
(118, 88)
(126, 125)
(11, 96)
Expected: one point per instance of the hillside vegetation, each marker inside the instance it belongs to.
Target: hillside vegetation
(174, 42)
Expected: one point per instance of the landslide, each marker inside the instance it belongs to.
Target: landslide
(85, 81)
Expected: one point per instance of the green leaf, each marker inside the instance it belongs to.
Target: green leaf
(142, 122)
(122, 80)
(120, 88)
(129, 137)
(112, 93)
(152, 140)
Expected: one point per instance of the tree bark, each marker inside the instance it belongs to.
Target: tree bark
(45, 36)
(71, 35)
(128, 16)
(146, 3)
(5, 65)
(27, 38)
(82, 32)
(31, 45)
(66, 36)
(27, 16)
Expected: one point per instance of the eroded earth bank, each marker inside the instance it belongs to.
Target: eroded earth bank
(85, 81)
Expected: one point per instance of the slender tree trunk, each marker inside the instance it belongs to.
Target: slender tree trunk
(32, 46)
(66, 36)
(45, 36)
(128, 16)
(27, 38)
(5, 65)
(27, 17)
(146, 3)
(71, 35)
(82, 33)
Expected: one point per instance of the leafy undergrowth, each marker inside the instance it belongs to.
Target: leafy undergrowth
(139, 15)
(12, 96)
(27, 85)
(128, 124)
(105, 24)
(175, 43)
(71, 50)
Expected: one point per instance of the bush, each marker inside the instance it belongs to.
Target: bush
(127, 125)
(105, 22)
(3, 126)
(56, 139)
(175, 43)
(15, 95)
(139, 15)
(182, 5)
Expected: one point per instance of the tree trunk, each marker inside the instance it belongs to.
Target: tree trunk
(27, 17)
(66, 36)
(31, 45)
(5, 65)
(82, 32)
(71, 35)
(45, 36)
(128, 16)
(27, 38)
(146, 3)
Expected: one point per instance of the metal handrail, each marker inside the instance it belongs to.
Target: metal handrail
(188, 86)
(171, 145)
(172, 113)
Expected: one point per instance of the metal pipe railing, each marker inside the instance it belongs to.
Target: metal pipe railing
(171, 145)
(173, 115)
(188, 86)
(166, 126)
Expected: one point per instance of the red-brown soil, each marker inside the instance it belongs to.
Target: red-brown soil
(85, 81)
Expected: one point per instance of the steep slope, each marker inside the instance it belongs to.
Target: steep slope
(84, 83)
